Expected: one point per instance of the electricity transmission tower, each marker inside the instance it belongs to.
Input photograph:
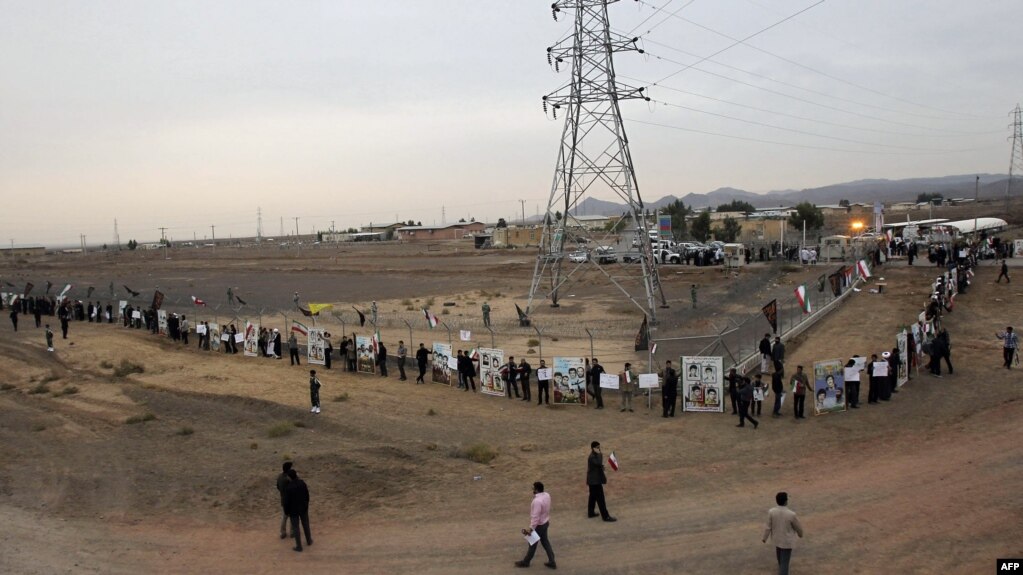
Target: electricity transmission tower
(593, 160)
(1016, 160)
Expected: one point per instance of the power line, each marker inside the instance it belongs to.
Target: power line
(793, 145)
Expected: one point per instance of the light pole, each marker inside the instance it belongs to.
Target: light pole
(976, 198)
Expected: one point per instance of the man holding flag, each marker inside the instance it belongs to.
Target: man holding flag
(595, 479)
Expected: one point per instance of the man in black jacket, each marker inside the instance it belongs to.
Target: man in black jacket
(595, 479)
(670, 392)
(765, 352)
(595, 373)
(282, 483)
(296, 505)
(422, 355)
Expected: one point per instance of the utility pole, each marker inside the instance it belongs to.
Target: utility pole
(296, 229)
(213, 232)
(117, 236)
(282, 227)
(84, 248)
(976, 206)
(443, 216)
(593, 158)
(1016, 159)
(522, 204)
(259, 225)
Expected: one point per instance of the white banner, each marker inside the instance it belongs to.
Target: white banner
(648, 380)
(608, 381)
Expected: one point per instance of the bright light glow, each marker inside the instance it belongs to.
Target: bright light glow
(857, 226)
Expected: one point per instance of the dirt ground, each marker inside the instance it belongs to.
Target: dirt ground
(927, 483)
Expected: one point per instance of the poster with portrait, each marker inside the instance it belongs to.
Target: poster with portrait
(918, 345)
(364, 356)
(491, 361)
(702, 383)
(214, 336)
(902, 343)
(316, 346)
(161, 321)
(828, 386)
(250, 345)
(441, 353)
(569, 384)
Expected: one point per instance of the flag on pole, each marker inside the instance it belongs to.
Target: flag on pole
(643, 337)
(803, 298)
(430, 318)
(861, 266)
(198, 301)
(64, 291)
(612, 461)
(300, 328)
(362, 316)
(474, 354)
(28, 288)
(129, 290)
(88, 293)
(316, 308)
(49, 285)
(157, 300)
(653, 349)
(771, 313)
(240, 300)
(376, 343)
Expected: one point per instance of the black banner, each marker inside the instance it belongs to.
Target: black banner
(643, 337)
(771, 313)
(157, 299)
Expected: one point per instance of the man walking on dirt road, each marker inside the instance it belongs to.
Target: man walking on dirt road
(296, 503)
(783, 527)
(539, 522)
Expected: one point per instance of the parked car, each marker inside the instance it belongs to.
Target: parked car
(578, 257)
(605, 255)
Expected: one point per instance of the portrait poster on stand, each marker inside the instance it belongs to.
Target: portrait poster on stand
(161, 321)
(250, 346)
(569, 385)
(364, 356)
(828, 386)
(491, 361)
(702, 383)
(315, 347)
(441, 353)
(214, 336)
(902, 343)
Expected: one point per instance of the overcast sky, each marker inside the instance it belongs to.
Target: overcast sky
(188, 115)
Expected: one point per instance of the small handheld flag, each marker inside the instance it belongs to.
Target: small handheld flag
(430, 318)
(612, 461)
(198, 301)
(861, 266)
(803, 298)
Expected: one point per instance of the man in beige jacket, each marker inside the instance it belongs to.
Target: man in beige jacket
(784, 527)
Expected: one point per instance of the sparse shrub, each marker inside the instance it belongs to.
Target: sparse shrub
(69, 390)
(140, 418)
(280, 429)
(431, 446)
(39, 388)
(532, 342)
(127, 368)
(530, 351)
(480, 453)
(186, 430)
(253, 445)
(431, 412)
(445, 311)
(299, 423)
(527, 447)
(50, 377)
(7, 386)
(39, 427)
(410, 308)
(342, 397)
(406, 302)
(105, 364)
(429, 302)
(554, 339)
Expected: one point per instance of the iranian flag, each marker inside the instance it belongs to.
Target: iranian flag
(376, 343)
(861, 266)
(803, 298)
(297, 327)
(612, 461)
(430, 318)
(653, 349)
(474, 354)
(198, 301)
(64, 291)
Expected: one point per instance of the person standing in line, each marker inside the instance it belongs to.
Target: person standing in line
(402, 357)
(783, 527)
(765, 352)
(511, 377)
(275, 339)
(350, 357)
(49, 338)
(595, 372)
(540, 522)
(778, 351)
(894, 363)
(1004, 273)
(342, 351)
(733, 390)
(745, 398)
(296, 503)
(852, 384)
(627, 386)
(1010, 346)
(759, 391)
(282, 483)
(373, 311)
(14, 317)
(64, 314)
(37, 311)
(421, 357)
(293, 349)
(460, 363)
(314, 391)
(543, 386)
(873, 387)
(183, 327)
(799, 384)
(778, 387)
(110, 313)
(692, 294)
(525, 370)
(486, 314)
(382, 359)
(670, 392)
(328, 350)
(946, 349)
(595, 480)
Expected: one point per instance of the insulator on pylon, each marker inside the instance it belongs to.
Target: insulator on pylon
(641, 51)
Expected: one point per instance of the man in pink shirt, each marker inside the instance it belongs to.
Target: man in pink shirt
(539, 521)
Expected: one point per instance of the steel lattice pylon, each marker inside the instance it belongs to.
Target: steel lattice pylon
(1016, 160)
(593, 160)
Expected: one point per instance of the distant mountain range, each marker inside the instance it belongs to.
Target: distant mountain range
(867, 191)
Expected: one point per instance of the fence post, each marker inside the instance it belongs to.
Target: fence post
(491, 330)
(409, 326)
(589, 333)
(539, 336)
(449, 331)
